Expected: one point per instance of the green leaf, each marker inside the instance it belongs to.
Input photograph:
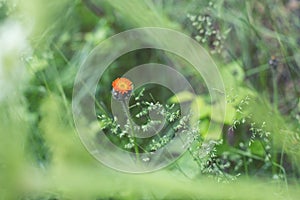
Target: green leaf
(229, 111)
(200, 104)
(257, 148)
(213, 133)
(182, 97)
(232, 74)
(203, 127)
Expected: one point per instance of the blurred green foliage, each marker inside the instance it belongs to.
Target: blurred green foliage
(41, 156)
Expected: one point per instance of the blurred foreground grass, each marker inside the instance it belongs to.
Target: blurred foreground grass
(74, 174)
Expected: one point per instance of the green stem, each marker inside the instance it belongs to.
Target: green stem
(275, 108)
(246, 166)
(136, 149)
(275, 90)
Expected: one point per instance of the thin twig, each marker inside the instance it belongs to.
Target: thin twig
(93, 8)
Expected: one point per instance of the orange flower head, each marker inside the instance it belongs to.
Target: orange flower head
(122, 88)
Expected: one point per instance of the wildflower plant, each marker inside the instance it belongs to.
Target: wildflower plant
(150, 126)
(156, 126)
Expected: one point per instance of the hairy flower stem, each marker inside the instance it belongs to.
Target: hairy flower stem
(136, 149)
(275, 90)
(275, 107)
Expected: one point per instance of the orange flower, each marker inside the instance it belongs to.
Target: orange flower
(122, 88)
